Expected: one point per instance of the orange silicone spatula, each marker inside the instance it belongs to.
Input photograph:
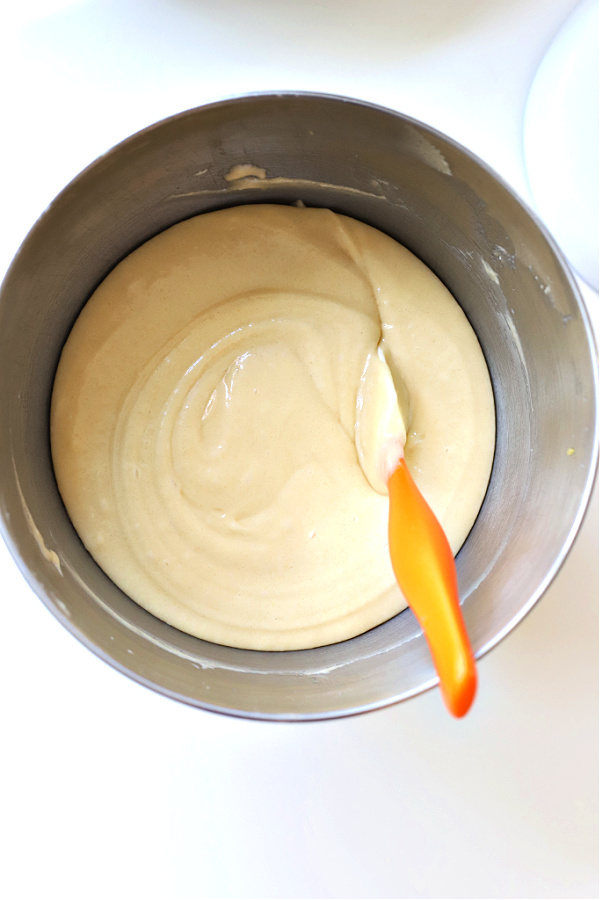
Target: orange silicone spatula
(424, 567)
(421, 556)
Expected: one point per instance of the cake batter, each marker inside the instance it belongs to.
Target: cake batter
(214, 422)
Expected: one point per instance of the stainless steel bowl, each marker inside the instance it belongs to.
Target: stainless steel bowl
(462, 221)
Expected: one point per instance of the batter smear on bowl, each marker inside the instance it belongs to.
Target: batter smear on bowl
(215, 422)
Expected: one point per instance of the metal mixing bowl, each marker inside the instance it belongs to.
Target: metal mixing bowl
(452, 212)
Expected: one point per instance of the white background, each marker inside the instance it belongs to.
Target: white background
(109, 790)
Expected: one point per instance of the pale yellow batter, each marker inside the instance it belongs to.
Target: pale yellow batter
(215, 428)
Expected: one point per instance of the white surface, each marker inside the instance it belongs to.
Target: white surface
(561, 131)
(111, 791)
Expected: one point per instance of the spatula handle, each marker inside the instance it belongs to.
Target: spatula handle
(424, 567)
